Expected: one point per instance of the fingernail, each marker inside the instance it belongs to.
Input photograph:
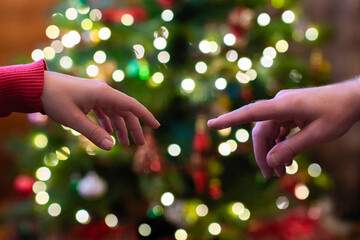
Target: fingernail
(210, 121)
(107, 144)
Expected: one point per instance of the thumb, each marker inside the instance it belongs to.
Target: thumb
(285, 151)
(91, 131)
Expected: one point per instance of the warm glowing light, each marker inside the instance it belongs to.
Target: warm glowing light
(95, 15)
(66, 62)
(71, 14)
(214, 228)
(245, 215)
(242, 77)
(160, 43)
(100, 56)
(233, 145)
(174, 150)
(86, 24)
(57, 46)
(288, 16)
(54, 209)
(70, 39)
(40, 140)
(252, 74)
(201, 67)
(214, 47)
(127, 19)
(242, 135)
(111, 220)
(83, 9)
(311, 34)
(82, 216)
(42, 198)
(202, 210)
(229, 39)
(269, 52)
(238, 208)
(39, 186)
(181, 234)
(144, 229)
(52, 32)
(266, 61)
(188, 85)
(220, 83)
(167, 199)
(167, 15)
(63, 153)
(224, 132)
(118, 75)
(263, 19)
(224, 149)
(49, 53)
(139, 51)
(104, 33)
(43, 174)
(51, 160)
(158, 78)
(92, 70)
(301, 191)
(232, 55)
(37, 55)
(282, 202)
(314, 170)
(164, 57)
(205, 46)
(277, 3)
(244, 63)
(293, 168)
(282, 46)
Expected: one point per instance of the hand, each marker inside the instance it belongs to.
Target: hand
(67, 100)
(322, 114)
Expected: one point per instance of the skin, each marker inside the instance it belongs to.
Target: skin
(321, 113)
(67, 100)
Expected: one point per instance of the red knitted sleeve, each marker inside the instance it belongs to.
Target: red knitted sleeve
(21, 88)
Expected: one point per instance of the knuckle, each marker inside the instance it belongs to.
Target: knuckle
(95, 134)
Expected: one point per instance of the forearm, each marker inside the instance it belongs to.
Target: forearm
(21, 87)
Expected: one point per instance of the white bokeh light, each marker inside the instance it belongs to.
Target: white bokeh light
(118, 75)
(244, 63)
(174, 150)
(201, 67)
(188, 85)
(224, 149)
(167, 199)
(167, 15)
(288, 16)
(263, 19)
(100, 57)
(242, 135)
(220, 83)
(229, 39)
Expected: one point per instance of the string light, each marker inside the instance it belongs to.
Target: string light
(242, 135)
(224, 149)
(174, 150)
(293, 168)
(229, 39)
(214, 228)
(71, 14)
(269, 52)
(301, 191)
(51, 160)
(40, 140)
(144, 229)
(288, 16)
(314, 170)
(181, 234)
(282, 46)
(104, 33)
(70, 39)
(52, 32)
(202, 210)
(63, 153)
(66, 62)
(214, 47)
(266, 61)
(92, 70)
(39, 186)
(232, 55)
(263, 19)
(118, 75)
(160, 43)
(245, 215)
(164, 57)
(42, 198)
(205, 46)
(82, 9)
(86, 24)
(224, 132)
(100, 57)
(49, 53)
(167, 199)
(82, 216)
(139, 51)
(244, 63)
(277, 3)
(127, 19)
(232, 144)
(43, 173)
(188, 85)
(157, 78)
(242, 77)
(167, 15)
(252, 74)
(57, 46)
(95, 15)
(201, 67)
(111, 220)
(220, 83)
(54, 209)
(238, 208)
(282, 202)
(37, 55)
(311, 34)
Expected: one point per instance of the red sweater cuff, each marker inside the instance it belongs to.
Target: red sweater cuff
(21, 88)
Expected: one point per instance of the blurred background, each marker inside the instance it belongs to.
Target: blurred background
(187, 61)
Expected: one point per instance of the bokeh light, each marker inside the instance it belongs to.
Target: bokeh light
(42, 198)
(282, 202)
(201, 67)
(181, 234)
(288, 16)
(311, 34)
(263, 19)
(82, 216)
(229, 39)
(144, 229)
(39, 186)
(301, 191)
(202, 210)
(188, 85)
(232, 55)
(167, 199)
(224, 149)
(127, 19)
(314, 170)
(111, 220)
(54, 209)
(52, 31)
(167, 15)
(118, 75)
(293, 168)
(214, 228)
(104, 33)
(174, 150)
(220, 83)
(242, 135)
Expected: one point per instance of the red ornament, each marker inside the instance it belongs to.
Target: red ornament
(239, 21)
(114, 15)
(166, 4)
(23, 185)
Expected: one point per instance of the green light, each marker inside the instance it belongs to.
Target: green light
(277, 3)
(144, 72)
(132, 69)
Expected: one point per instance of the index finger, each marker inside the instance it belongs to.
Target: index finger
(272, 109)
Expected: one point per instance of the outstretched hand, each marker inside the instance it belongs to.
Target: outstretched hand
(67, 100)
(321, 113)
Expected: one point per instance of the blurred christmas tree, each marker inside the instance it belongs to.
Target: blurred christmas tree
(186, 61)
